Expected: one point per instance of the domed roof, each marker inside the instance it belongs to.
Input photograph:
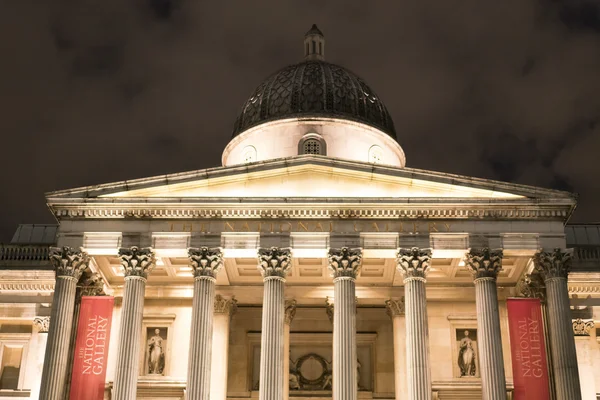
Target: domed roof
(314, 88)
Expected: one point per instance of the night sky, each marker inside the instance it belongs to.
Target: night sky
(95, 91)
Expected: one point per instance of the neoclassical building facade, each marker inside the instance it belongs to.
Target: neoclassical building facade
(313, 264)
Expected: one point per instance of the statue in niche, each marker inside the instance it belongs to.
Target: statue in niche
(156, 354)
(466, 356)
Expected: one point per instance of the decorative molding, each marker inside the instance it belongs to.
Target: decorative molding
(274, 261)
(42, 324)
(27, 286)
(582, 327)
(205, 261)
(555, 264)
(484, 262)
(531, 286)
(344, 262)
(394, 308)
(90, 285)
(469, 210)
(225, 306)
(329, 309)
(290, 311)
(68, 262)
(137, 261)
(413, 262)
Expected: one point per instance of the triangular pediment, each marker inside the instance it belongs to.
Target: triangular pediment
(310, 177)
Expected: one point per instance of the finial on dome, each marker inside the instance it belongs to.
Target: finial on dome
(314, 44)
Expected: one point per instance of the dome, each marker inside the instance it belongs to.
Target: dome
(314, 88)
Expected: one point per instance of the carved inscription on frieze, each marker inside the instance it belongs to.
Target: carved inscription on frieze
(312, 226)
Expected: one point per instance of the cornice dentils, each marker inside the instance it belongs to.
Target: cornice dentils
(484, 262)
(344, 262)
(206, 261)
(68, 262)
(553, 264)
(413, 262)
(137, 262)
(274, 262)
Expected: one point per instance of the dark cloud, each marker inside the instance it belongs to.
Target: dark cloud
(94, 92)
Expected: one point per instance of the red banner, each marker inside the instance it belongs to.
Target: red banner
(528, 349)
(91, 348)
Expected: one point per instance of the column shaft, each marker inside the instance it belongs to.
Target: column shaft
(286, 362)
(493, 380)
(71, 356)
(220, 358)
(418, 369)
(345, 386)
(271, 354)
(57, 348)
(130, 336)
(399, 327)
(199, 363)
(564, 354)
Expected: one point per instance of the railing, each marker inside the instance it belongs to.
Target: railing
(15, 252)
(588, 253)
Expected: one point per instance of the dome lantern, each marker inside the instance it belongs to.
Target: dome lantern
(314, 44)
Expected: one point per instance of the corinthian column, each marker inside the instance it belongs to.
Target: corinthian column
(68, 265)
(344, 265)
(90, 284)
(224, 310)
(395, 309)
(414, 264)
(290, 313)
(274, 264)
(206, 263)
(137, 263)
(484, 264)
(554, 267)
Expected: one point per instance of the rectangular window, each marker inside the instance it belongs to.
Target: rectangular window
(314, 45)
(11, 366)
(320, 48)
(307, 49)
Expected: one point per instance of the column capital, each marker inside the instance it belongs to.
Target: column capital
(90, 285)
(583, 327)
(413, 262)
(553, 264)
(274, 261)
(344, 262)
(484, 262)
(206, 261)
(290, 311)
(68, 262)
(394, 308)
(42, 324)
(531, 286)
(137, 262)
(224, 305)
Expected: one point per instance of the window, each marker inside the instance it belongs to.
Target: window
(375, 154)
(320, 48)
(312, 146)
(307, 49)
(249, 154)
(11, 366)
(314, 45)
(13, 352)
(312, 143)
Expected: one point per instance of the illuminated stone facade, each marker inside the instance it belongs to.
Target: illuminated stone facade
(341, 275)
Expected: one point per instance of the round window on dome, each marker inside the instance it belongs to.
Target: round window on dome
(376, 154)
(249, 154)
